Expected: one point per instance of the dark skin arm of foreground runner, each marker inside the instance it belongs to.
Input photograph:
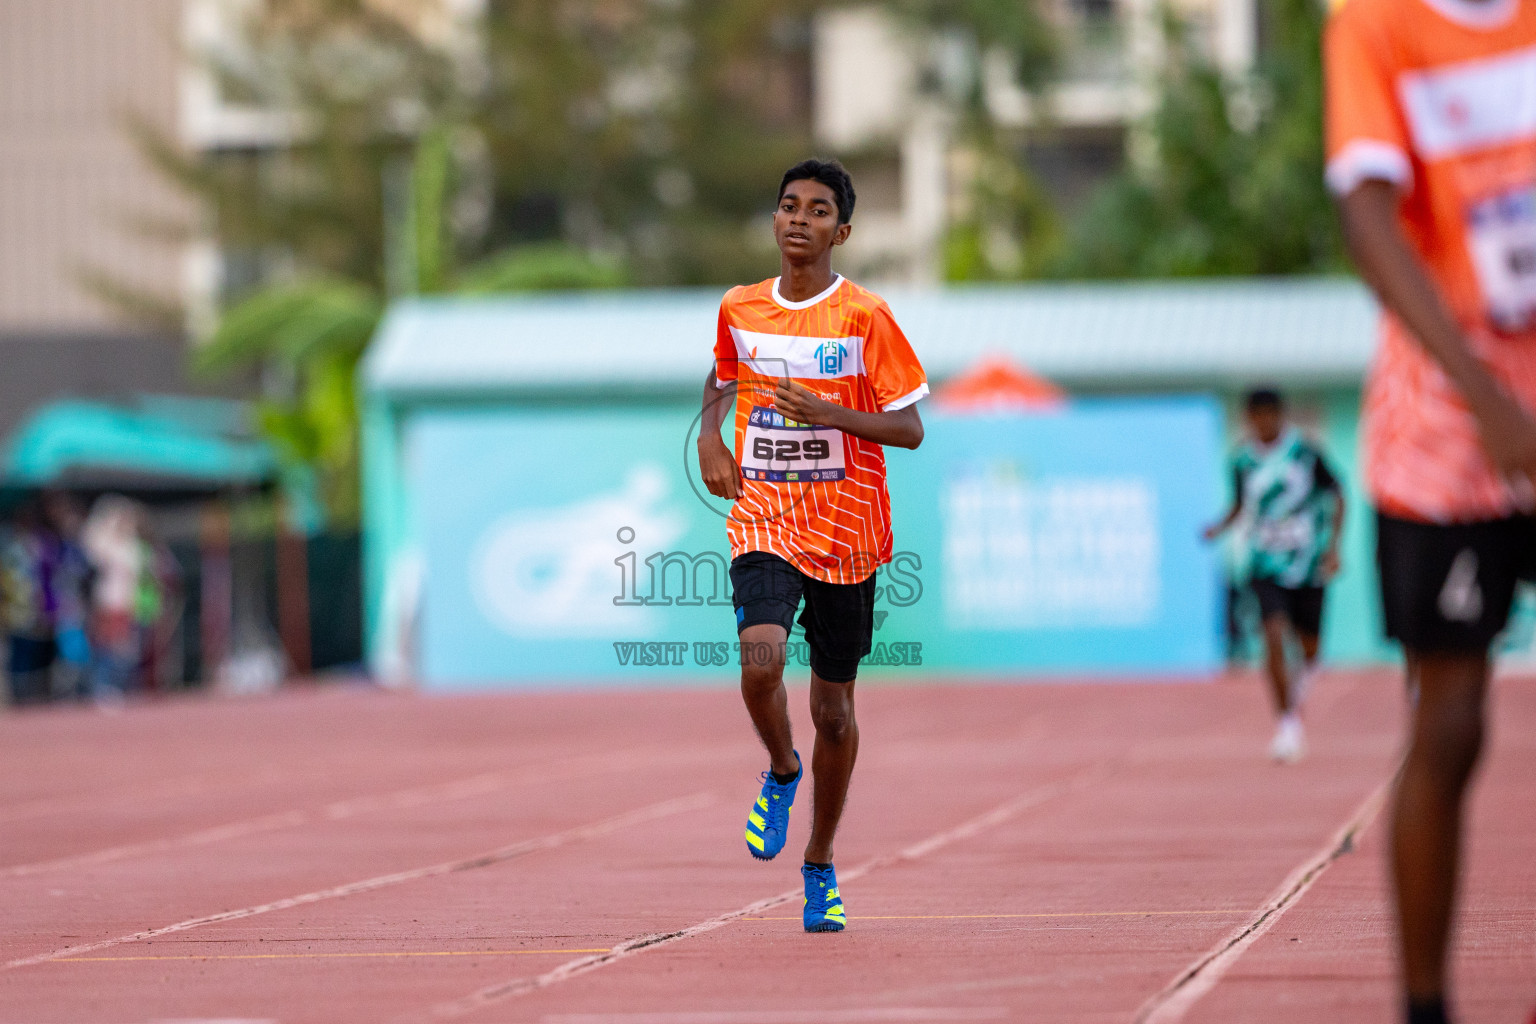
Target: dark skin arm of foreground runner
(1391, 268)
(717, 466)
(902, 428)
(1448, 719)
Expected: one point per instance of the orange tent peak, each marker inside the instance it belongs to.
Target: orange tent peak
(998, 384)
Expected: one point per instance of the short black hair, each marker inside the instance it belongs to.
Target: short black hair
(831, 174)
(1264, 398)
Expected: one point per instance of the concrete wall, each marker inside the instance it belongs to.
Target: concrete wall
(71, 181)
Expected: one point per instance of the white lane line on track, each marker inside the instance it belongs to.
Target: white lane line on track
(483, 784)
(1191, 984)
(630, 947)
(890, 1015)
(552, 841)
(201, 837)
(62, 804)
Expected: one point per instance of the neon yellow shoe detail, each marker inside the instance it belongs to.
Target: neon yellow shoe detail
(768, 822)
(823, 910)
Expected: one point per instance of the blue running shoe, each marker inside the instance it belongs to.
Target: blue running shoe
(823, 903)
(768, 824)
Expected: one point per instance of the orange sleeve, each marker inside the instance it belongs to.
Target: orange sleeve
(725, 346)
(890, 363)
(1367, 137)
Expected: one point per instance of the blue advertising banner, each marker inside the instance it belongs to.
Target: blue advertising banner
(1066, 541)
(575, 547)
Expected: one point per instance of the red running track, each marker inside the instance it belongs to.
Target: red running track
(1011, 853)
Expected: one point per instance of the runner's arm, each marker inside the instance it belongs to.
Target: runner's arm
(1221, 526)
(901, 428)
(717, 466)
(1331, 561)
(1389, 266)
(1324, 480)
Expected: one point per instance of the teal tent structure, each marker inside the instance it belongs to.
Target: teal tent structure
(170, 446)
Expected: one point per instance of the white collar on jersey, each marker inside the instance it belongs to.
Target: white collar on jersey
(837, 282)
(1479, 14)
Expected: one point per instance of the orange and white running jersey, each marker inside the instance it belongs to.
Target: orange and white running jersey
(1439, 98)
(813, 495)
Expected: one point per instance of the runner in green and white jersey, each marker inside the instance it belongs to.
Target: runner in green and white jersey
(1293, 508)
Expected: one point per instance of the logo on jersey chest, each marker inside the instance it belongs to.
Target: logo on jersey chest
(804, 358)
(830, 355)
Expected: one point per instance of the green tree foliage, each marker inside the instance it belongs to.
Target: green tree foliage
(1016, 28)
(579, 144)
(357, 202)
(344, 90)
(649, 133)
(306, 337)
(541, 267)
(306, 340)
(658, 130)
(655, 130)
(1006, 226)
(1009, 228)
(1235, 181)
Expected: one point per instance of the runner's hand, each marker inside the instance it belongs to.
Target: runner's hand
(717, 467)
(800, 404)
(1329, 566)
(1508, 435)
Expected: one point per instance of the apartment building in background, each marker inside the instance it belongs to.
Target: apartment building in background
(76, 194)
(76, 197)
(82, 211)
(885, 100)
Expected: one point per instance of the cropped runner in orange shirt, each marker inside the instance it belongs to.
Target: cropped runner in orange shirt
(1431, 118)
(820, 378)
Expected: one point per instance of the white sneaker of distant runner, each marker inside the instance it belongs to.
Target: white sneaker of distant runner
(1290, 743)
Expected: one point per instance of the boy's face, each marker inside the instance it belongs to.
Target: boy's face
(1265, 423)
(805, 223)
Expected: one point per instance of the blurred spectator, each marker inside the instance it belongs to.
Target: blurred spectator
(26, 597)
(113, 542)
(156, 605)
(70, 586)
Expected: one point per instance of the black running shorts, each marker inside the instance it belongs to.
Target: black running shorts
(839, 618)
(1447, 589)
(1303, 606)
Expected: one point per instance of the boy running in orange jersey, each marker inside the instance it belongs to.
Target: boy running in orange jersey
(1431, 117)
(824, 378)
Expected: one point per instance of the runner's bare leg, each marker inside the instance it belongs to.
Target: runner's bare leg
(1275, 627)
(1426, 827)
(837, 747)
(1309, 645)
(762, 689)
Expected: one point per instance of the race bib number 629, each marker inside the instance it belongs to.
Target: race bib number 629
(782, 451)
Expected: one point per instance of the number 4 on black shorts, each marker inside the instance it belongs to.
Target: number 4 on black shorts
(1448, 588)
